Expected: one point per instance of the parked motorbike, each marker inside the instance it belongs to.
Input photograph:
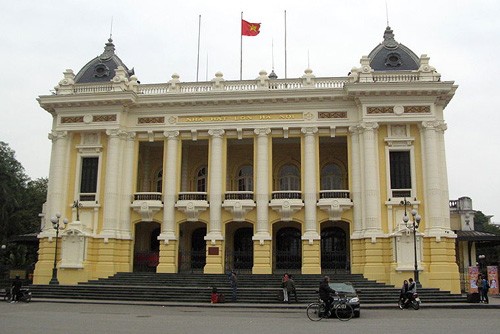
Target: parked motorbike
(414, 302)
(24, 295)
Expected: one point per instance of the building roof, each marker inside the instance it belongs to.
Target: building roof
(393, 56)
(102, 68)
(477, 236)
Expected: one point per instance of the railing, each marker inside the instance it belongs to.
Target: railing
(334, 260)
(238, 195)
(402, 193)
(289, 194)
(192, 260)
(92, 88)
(153, 196)
(386, 77)
(192, 196)
(240, 260)
(87, 197)
(334, 194)
(146, 261)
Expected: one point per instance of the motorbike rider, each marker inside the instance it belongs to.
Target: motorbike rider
(412, 288)
(16, 289)
(325, 293)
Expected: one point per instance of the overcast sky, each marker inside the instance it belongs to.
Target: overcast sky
(40, 39)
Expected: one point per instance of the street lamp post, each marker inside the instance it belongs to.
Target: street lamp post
(55, 223)
(414, 225)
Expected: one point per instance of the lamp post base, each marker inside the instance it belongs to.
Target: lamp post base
(53, 280)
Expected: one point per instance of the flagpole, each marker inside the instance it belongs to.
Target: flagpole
(198, 56)
(285, 48)
(241, 47)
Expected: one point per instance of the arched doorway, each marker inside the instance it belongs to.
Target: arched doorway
(192, 247)
(334, 249)
(288, 253)
(146, 246)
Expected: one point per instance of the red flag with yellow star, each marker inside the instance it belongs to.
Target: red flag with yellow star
(249, 29)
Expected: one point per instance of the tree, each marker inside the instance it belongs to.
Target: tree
(490, 250)
(13, 181)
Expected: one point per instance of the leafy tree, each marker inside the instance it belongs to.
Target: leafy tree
(13, 181)
(490, 249)
(21, 200)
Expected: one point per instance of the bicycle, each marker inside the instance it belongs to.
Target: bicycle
(340, 307)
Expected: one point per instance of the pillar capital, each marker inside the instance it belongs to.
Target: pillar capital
(216, 133)
(309, 131)
(262, 131)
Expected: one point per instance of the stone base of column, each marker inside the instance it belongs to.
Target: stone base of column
(311, 257)
(215, 259)
(375, 267)
(262, 257)
(168, 257)
(442, 271)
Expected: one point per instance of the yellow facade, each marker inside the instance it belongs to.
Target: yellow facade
(308, 175)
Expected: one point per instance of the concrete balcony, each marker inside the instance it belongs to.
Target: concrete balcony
(192, 204)
(147, 204)
(286, 203)
(239, 203)
(334, 202)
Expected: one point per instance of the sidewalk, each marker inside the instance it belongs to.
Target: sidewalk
(493, 304)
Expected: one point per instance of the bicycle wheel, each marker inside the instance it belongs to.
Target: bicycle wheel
(344, 311)
(7, 297)
(315, 311)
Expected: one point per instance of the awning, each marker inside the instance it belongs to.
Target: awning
(477, 236)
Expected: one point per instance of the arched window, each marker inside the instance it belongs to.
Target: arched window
(289, 178)
(201, 180)
(159, 181)
(332, 177)
(245, 178)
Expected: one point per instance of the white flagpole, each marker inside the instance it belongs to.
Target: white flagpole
(241, 47)
(285, 49)
(198, 56)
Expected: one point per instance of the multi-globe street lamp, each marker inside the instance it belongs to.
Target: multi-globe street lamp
(56, 225)
(416, 218)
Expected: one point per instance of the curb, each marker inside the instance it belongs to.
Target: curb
(276, 307)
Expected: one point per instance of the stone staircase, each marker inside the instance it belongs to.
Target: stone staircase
(251, 288)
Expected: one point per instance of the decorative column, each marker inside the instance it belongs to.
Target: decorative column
(372, 225)
(311, 246)
(439, 241)
(214, 237)
(433, 184)
(356, 195)
(369, 249)
(57, 179)
(168, 249)
(357, 257)
(128, 187)
(111, 186)
(262, 237)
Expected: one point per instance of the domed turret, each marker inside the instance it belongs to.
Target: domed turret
(392, 56)
(102, 68)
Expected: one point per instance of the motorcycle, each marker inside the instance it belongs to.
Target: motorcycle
(414, 302)
(24, 295)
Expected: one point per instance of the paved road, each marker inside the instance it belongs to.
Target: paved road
(57, 318)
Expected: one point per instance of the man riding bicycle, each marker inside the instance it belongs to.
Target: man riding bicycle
(325, 293)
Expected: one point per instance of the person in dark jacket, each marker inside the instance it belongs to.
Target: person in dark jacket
(16, 289)
(325, 293)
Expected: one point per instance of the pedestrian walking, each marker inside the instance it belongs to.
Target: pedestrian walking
(284, 282)
(233, 279)
(290, 288)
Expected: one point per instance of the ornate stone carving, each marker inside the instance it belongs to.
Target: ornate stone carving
(104, 118)
(332, 114)
(72, 119)
(55, 135)
(417, 109)
(151, 120)
(380, 110)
